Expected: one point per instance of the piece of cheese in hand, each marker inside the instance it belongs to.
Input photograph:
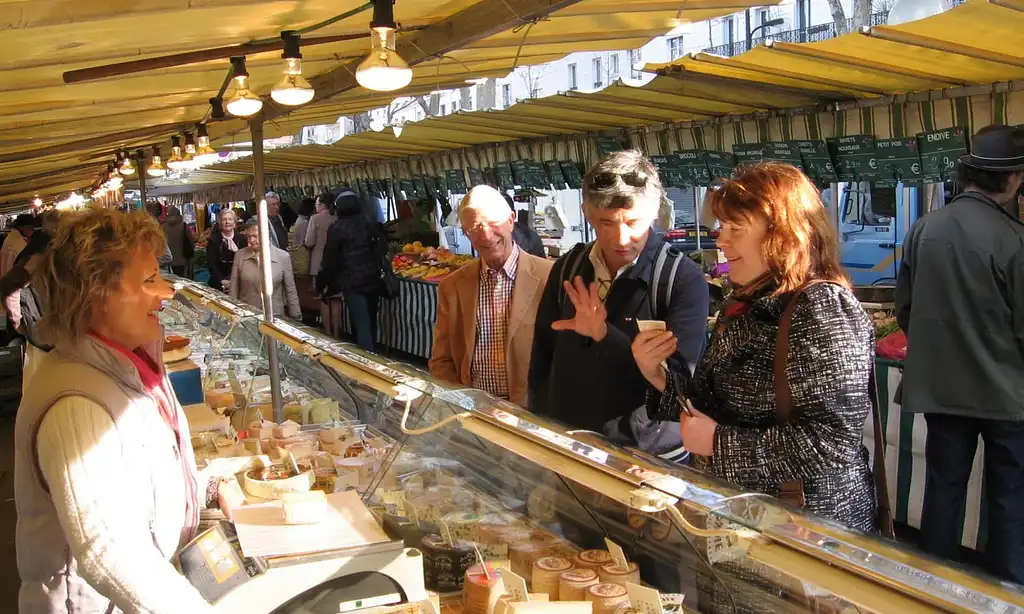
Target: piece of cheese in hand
(304, 507)
(230, 497)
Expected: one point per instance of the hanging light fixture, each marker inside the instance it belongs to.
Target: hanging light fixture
(204, 153)
(217, 108)
(126, 168)
(383, 70)
(293, 89)
(176, 161)
(156, 166)
(37, 202)
(244, 103)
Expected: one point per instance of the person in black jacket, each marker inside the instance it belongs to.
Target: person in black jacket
(588, 379)
(351, 268)
(224, 241)
(525, 237)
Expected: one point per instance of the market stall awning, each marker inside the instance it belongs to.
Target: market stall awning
(48, 126)
(972, 44)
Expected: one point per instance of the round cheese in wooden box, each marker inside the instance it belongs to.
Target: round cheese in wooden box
(607, 597)
(272, 482)
(592, 559)
(480, 589)
(545, 575)
(573, 584)
(614, 574)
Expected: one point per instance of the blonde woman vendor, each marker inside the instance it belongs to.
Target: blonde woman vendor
(104, 477)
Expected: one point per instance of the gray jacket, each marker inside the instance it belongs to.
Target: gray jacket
(960, 300)
(245, 281)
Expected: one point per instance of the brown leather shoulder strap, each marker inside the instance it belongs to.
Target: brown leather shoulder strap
(783, 394)
(884, 514)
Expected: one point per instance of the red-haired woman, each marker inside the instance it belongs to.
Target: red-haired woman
(777, 237)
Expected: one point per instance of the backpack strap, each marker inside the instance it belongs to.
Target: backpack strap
(661, 289)
(577, 256)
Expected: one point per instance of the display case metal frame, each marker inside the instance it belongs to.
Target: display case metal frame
(866, 570)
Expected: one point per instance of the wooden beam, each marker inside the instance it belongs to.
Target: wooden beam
(108, 139)
(477, 22)
(194, 57)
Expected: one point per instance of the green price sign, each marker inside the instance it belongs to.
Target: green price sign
(748, 153)
(571, 174)
(817, 163)
(899, 160)
(854, 157)
(939, 152)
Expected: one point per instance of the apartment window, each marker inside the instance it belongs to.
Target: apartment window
(444, 109)
(598, 73)
(613, 69)
(573, 82)
(455, 106)
(506, 95)
(762, 17)
(535, 92)
(675, 47)
(634, 61)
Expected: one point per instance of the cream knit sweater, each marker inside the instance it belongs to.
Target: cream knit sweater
(106, 524)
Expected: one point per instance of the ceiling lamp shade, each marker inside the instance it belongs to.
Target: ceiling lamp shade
(176, 161)
(293, 89)
(126, 168)
(244, 103)
(383, 70)
(156, 166)
(204, 153)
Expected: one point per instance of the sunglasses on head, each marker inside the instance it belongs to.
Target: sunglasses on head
(603, 181)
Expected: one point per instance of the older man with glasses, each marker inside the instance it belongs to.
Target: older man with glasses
(584, 375)
(486, 310)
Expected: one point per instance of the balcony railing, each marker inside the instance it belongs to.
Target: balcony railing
(812, 34)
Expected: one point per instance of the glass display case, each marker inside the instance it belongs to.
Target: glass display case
(500, 484)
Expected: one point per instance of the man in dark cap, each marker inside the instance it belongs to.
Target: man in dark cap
(525, 237)
(960, 300)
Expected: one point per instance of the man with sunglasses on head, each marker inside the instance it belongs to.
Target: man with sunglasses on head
(586, 376)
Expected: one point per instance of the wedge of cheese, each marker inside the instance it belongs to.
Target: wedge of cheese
(304, 507)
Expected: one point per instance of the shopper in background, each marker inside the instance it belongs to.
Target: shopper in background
(351, 268)
(179, 240)
(486, 310)
(278, 228)
(23, 305)
(586, 377)
(245, 276)
(524, 236)
(316, 241)
(316, 235)
(225, 240)
(16, 240)
(960, 300)
(105, 479)
(307, 207)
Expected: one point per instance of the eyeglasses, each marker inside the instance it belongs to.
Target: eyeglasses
(603, 181)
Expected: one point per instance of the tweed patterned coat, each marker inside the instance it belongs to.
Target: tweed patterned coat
(831, 350)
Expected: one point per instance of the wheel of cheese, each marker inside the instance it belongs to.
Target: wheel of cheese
(480, 591)
(614, 574)
(607, 597)
(524, 555)
(176, 349)
(573, 584)
(444, 564)
(545, 574)
(461, 524)
(273, 489)
(592, 559)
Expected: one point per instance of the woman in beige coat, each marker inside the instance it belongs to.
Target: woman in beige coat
(245, 276)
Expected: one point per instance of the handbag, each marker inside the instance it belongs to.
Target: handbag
(793, 492)
(388, 280)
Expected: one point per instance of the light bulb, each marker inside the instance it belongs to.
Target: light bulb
(204, 153)
(383, 70)
(37, 202)
(397, 128)
(127, 168)
(156, 166)
(175, 161)
(293, 89)
(244, 103)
